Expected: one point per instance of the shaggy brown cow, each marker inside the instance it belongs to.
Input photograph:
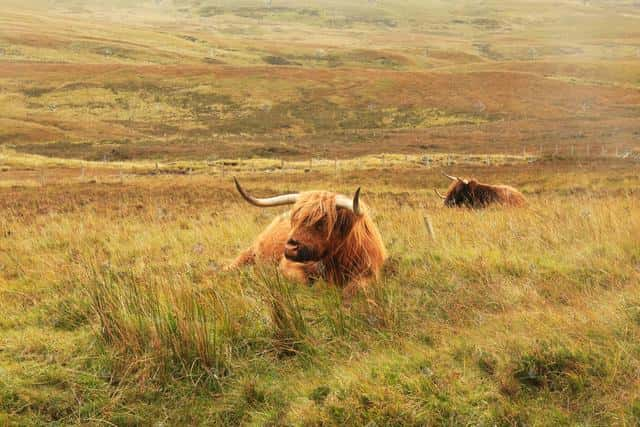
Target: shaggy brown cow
(324, 236)
(473, 194)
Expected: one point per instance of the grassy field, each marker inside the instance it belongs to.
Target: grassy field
(115, 309)
(122, 124)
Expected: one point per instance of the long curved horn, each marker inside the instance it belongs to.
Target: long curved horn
(452, 178)
(438, 193)
(285, 199)
(352, 205)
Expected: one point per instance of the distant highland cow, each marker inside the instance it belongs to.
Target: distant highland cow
(324, 236)
(473, 194)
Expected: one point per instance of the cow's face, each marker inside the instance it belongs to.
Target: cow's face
(320, 221)
(317, 228)
(460, 193)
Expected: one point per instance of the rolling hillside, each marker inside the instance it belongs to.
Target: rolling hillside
(196, 80)
(123, 122)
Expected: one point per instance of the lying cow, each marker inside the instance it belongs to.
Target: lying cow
(471, 193)
(324, 236)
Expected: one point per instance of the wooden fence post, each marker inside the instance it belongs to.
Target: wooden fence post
(429, 225)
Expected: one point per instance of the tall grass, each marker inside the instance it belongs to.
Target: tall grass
(508, 316)
(162, 327)
(290, 328)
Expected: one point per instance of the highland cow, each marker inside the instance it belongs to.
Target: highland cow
(473, 194)
(324, 236)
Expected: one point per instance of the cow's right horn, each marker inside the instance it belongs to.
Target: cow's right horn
(285, 199)
(452, 178)
(351, 204)
(438, 193)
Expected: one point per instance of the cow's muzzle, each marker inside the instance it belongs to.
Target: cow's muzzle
(293, 251)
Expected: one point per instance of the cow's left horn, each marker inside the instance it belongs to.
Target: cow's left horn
(351, 204)
(452, 178)
(438, 193)
(285, 199)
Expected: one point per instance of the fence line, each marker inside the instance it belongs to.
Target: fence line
(224, 168)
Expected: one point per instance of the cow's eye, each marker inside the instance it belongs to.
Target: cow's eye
(319, 225)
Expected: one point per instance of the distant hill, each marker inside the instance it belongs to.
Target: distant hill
(197, 78)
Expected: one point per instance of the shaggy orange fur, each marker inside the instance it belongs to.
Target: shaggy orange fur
(349, 246)
(477, 195)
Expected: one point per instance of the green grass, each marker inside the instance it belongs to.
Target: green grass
(507, 317)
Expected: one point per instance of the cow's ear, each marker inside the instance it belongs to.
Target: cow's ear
(472, 183)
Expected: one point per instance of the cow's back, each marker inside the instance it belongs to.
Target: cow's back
(510, 196)
(269, 245)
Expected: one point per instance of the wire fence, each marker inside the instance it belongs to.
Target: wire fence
(118, 171)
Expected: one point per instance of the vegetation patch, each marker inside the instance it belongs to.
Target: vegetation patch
(161, 329)
(557, 369)
(277, 60)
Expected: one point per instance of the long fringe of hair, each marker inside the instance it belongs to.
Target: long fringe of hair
(357, 249)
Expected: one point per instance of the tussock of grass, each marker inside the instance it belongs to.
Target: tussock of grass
(291, 331)
(162, 328)
(556, 369)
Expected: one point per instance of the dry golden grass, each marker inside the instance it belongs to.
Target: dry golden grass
(115, 308)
